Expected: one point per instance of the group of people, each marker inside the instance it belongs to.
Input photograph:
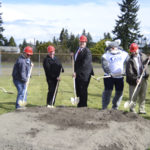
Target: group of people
(115, 62)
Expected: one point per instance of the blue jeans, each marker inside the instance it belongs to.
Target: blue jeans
(21, 91)
(109, 83)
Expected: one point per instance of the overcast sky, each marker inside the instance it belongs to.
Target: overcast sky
(44, 19)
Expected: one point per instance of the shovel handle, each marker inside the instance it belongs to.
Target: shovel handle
(27, 83)
(56, 88)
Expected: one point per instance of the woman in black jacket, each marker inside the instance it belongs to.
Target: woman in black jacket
(52, 68)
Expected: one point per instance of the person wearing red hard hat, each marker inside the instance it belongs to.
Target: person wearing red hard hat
(134, 70)
(52, 67)
(82, 71)
(20, 74)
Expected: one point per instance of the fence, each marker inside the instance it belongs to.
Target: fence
(7, 61)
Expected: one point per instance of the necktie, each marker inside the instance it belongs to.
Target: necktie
(79, 51)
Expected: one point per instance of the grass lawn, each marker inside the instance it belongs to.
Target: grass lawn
(37, 93)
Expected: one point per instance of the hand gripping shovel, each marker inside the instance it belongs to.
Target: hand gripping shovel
(54, 96)
(130, 103)
(75, 99)
(23, 102)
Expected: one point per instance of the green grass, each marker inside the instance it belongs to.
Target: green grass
(37, 93)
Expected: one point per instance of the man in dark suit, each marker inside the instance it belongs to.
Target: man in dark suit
(83, 71)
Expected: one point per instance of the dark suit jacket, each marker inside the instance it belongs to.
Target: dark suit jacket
(83, 65)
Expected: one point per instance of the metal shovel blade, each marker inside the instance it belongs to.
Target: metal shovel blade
(75, 100)
(128, 104)
(10, 92)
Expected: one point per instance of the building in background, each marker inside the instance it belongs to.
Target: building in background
(10, 49)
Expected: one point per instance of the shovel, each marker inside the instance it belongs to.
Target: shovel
(75, 99)
(5, 91)
(23, 102)
(54, 96)
(108, 76)
(130, 103)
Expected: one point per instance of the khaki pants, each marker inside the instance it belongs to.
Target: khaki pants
(140, 94)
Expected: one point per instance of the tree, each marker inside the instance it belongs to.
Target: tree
(11, 42)
(43, 47)
(61, 37)
(89, 38)
(107, 36)
(2, 42)
(127, 26)
(23, 45)
(73, 43)
(98, 49)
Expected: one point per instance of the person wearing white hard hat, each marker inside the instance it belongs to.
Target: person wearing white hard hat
(113, 61)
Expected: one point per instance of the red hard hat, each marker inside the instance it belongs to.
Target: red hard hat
(133, 47)
(83, 38)
(28, 50)
(50, 49)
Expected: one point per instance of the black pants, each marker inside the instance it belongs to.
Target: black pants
(111, 82)
(82, 91)
(51, 90)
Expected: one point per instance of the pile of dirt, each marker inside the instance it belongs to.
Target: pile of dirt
(65, 128)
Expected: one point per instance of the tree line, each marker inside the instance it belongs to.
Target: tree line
(127, 29)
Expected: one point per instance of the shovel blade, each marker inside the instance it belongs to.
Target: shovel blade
(75, 100)
(126, 104)
(10, 92)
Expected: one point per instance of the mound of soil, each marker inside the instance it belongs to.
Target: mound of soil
(69, 128)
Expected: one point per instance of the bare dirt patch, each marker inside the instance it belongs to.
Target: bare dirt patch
(68, 128)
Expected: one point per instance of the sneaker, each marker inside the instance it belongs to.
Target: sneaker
(133, 110)
(142, 112)
(21, 108)
(22, 103)
(50, 106)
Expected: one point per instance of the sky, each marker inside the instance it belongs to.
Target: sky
(43, 19)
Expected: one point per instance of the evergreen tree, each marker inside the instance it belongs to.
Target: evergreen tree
(84, 32)
(107, 36)
(55, 41)
(89, 38)
(2, 42)
(127, 26)
(11, 42)
(90, 41)
(23, 45)
(6, 42)
(61, 37)
(73, 43)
